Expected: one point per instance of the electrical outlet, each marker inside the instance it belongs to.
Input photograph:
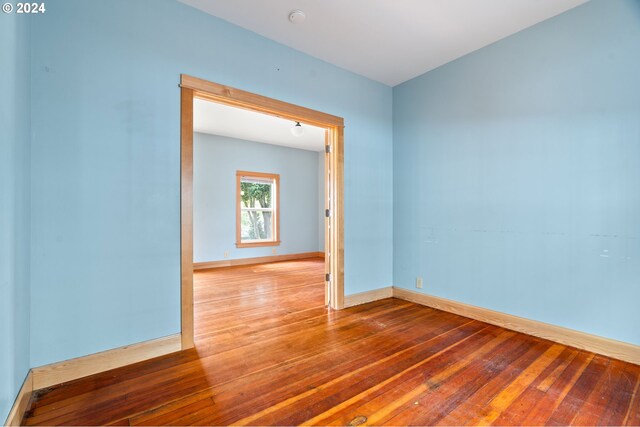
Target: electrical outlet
(274, 251)
(226, 254)
(419, 282)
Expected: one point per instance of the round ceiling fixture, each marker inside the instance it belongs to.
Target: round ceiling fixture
(297, 16)
(297, 130)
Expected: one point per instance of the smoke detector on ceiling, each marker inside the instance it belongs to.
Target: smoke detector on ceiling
(297, 17)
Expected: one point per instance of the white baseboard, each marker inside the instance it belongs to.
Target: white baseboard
(593, 343)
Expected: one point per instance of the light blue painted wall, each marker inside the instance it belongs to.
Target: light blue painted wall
(516, 173)
(14, 207)
(106, 164)
(216, 160)
(321, 204)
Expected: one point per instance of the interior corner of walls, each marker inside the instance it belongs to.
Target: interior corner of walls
(15, 134)
(19, 405)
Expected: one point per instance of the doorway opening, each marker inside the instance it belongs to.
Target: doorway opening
(198, 90)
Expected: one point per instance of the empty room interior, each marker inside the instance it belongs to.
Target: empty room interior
(320, 212)
(278, 217)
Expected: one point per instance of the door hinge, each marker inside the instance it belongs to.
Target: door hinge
(327, 149)
(327, 277)
(327, 213)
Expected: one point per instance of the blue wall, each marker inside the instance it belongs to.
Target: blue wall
(516, 173)
(14, 207)
(321, 202)
(216, 160)
(106, 164)
(514, 170)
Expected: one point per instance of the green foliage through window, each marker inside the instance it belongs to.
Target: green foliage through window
(257, 210)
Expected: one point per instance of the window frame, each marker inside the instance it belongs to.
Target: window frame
(276, 210)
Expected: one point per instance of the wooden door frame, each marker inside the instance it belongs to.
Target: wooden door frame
(192, 87)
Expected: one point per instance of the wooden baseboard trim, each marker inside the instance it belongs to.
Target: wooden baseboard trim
(369, 296)
(21, 404)
(256, 260)
(68, 370)
(593, 343)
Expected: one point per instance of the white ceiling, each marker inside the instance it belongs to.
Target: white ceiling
(390, 41)
(219, 119)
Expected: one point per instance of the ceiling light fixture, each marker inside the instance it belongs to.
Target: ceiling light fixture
(297, 16)
(297, 130)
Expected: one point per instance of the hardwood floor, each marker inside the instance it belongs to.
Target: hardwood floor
(268, 353)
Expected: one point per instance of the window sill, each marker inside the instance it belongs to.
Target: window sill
(256, 244)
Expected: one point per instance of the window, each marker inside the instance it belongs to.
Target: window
(257, 218)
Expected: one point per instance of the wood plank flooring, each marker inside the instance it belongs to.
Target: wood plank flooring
(268, 353)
